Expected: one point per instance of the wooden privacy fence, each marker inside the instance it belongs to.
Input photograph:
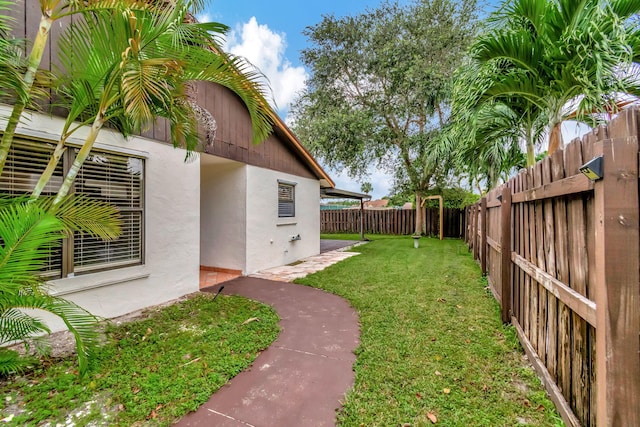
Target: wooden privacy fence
(391, 221)
(562, 256)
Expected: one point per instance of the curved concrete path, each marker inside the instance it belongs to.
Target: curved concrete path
(301, 379)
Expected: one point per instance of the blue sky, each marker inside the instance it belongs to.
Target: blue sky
(269, 34)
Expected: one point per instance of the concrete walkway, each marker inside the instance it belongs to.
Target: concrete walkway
(301, 379)
(327, 245)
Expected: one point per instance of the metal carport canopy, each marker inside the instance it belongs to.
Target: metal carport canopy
(336, 193)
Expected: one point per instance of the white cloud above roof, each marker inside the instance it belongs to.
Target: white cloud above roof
(265, 49)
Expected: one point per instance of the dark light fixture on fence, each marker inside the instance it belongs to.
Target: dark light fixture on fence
(593, 169)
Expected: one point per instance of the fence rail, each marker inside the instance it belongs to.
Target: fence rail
(391, 221)
(562, 255)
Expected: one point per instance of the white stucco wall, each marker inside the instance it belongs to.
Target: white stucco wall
(269, 237)
(223, 216)
(172, 228)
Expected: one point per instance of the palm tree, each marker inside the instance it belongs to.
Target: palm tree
(30, 229)
(549, 54)
(52, 10)
(10, 62)
(129, 66)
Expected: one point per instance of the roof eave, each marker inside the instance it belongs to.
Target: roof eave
(309, 160)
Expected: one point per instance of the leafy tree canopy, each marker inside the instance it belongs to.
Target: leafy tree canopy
(379, 87)
(541, 62)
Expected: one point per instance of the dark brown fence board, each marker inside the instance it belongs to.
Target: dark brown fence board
(572, 185)
(617, 269)
(564, 325)
(385, 221)
(552, 303)
(588, 151)
(573, 244)
(483, 233)
(555, 393)
(505, 255)
(542, 264)
(581, 305)
(578, 264)
(529, 243)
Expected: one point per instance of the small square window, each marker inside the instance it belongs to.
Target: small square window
(286, 200)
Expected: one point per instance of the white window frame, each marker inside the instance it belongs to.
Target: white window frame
(65, 265)
(286, 204)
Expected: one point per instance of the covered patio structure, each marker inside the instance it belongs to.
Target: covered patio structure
(336, 193)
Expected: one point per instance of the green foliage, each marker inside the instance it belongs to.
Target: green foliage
(29, 230)
(123, 64)
(131, 65)
(456, 198)
(401, 197)
(366, 187)
(157, 369)
(539, 63)
(431, 340)
(379, 87)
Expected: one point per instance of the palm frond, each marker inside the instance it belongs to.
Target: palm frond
(81, 323)
(16, 325)
(11, 362)
(79, 213)
(28, 233)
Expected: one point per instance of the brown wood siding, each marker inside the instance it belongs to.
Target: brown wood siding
(233, 139)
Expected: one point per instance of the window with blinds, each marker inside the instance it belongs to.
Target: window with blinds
(114, 178)
(118, 180)
(286, 200)
(25, 163)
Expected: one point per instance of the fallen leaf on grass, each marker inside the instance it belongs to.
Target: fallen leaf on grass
(438, 373)
(441, 300)
(527, 403)
(251, 319)
(418, 395)
(446, 390)
(432, 417)
(459, 306)
(540, 408)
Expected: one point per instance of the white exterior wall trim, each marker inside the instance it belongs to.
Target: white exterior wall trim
(169, 270)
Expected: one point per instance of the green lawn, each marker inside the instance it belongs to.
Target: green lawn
(432, 343)
(150, 372)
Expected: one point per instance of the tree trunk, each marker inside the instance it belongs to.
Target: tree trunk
(80, 158)
(35, 57)
(50, 169)
(531, 155)
(419, 220)
(555, 138)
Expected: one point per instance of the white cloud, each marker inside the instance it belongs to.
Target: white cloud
(203, 17)
(265, 49)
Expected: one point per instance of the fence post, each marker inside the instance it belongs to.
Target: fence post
(476, 249)
(505, 252)
(617, 273)
(483, 235)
